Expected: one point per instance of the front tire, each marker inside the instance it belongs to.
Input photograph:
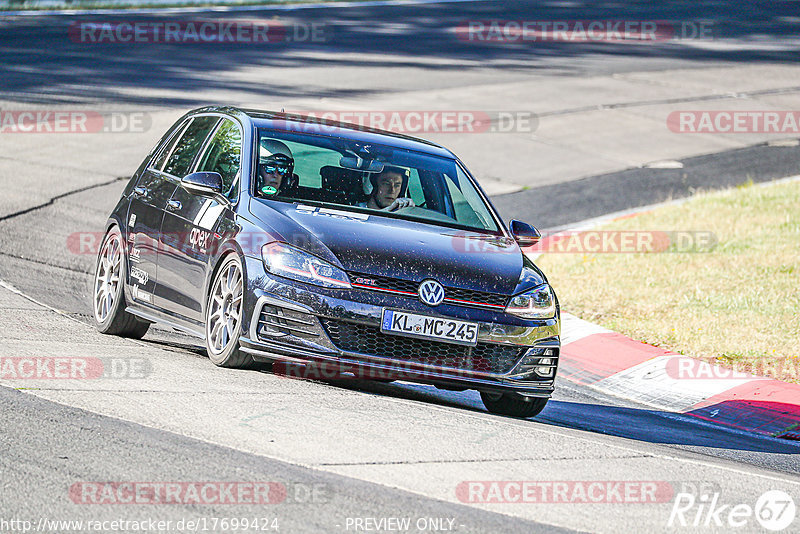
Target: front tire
(108, 297)
(512, 405)
(224, 316)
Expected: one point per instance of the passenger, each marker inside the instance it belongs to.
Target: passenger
(385, 190)
(275, 168)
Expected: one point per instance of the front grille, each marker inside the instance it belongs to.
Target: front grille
(385, 282)
(369, 340)
(466, 297)
(480, 297)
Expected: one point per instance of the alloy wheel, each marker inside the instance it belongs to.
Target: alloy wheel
(225, 308)
(106, 286)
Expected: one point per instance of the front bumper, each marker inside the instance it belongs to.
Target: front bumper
(340, 338)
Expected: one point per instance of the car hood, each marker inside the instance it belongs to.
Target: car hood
(385, 246)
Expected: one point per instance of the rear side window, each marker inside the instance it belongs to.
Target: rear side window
(183, 153)
(224, 155)
(158, 164)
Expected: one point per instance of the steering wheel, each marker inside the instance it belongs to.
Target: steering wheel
(411, 207)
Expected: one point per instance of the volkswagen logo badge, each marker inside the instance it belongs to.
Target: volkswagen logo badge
(431, 292)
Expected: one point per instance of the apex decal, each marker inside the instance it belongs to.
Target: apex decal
(199, 238)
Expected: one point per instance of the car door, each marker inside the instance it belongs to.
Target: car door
(145, 215)
(195, 219)
(165, 174)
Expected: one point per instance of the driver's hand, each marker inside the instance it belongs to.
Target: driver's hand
(400, 203)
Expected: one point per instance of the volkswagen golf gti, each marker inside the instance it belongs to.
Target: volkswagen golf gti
(319, 245)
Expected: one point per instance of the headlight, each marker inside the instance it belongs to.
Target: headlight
(290, 262)
(538, 303)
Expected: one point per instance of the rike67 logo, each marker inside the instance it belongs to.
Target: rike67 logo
(774, 511)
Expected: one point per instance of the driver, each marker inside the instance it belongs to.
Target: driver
(275, 167)
(385, 190)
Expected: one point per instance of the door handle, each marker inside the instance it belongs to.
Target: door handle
(174, 205)
(139, 191)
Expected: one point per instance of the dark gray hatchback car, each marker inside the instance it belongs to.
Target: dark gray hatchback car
(333, 251)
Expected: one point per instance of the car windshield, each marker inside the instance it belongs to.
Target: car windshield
(375, 179)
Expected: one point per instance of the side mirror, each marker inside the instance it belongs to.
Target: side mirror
(207, 184)
(524, 234)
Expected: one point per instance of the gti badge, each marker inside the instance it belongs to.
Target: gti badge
(431, 292)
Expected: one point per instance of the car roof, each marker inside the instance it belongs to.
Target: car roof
(289, 122)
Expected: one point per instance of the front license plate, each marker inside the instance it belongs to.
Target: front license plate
(423, 326)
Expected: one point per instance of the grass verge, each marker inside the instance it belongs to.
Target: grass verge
(737, 304)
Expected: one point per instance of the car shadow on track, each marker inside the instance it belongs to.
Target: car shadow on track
(607, 418)
(640, 424)
(656, 426)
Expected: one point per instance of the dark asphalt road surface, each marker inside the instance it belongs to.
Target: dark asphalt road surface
(68, 445)
(376, 49)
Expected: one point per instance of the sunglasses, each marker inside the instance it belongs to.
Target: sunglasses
(280, 169)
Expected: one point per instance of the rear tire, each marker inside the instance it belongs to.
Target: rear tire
(224, 316)
(108, 297)
(512, 405)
